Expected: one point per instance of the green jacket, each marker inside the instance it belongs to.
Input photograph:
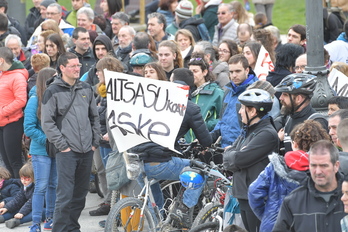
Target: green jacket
(209, 99)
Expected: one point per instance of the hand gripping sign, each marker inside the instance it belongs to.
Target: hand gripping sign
(142, 110)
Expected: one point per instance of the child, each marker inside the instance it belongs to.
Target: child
(19, 208)
(8, 187)
(283, 174)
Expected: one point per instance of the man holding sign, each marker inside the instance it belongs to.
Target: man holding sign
(149, 137)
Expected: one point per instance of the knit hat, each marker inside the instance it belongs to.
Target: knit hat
(297, 160)
(140, 59)
(265, 85)
(46, 3)
(184, 10)
(185, 75)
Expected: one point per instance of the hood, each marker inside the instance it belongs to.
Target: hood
(342, 37)
(18, 67)
(191, 21)
(219, 67)
(282, 170)
(104, 40)
(212, 3)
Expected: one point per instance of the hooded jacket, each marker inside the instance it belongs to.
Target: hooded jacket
(9, 189)
(191, 25)
(267, 192)
(228, 126)
(304, 209)
(248, 156)
(22, 201)
(80, 128)
(92, 78)
(86, 59)
(13, 89)
(32, 126)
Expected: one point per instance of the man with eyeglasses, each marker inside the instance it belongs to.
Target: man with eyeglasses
(118, 20)
(301, 63)
(54, 11)
(76, 140)
(227, 26)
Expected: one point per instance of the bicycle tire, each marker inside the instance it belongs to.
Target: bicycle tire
(170, 189)
(97, 185)
(205, 214)
(114, 222)
(208, 226)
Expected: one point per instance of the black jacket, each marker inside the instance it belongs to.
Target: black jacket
(277, 76)
(290, 121)
(34, 14)
(21, 203)
(86, 59)
(9, 189)
(248, 156)
(305, 210)
(23, 33)
(191, 25)
(151, 152)
(123, 55)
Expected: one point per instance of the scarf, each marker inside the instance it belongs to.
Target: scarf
(102, 90)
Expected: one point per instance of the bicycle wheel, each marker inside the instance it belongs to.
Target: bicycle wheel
(97, 185)
(170, 189)
(206, 227)
(125, 216)
(205, 215)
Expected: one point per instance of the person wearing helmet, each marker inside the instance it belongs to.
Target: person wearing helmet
(297, 90)
(248, 155)
(138, 62)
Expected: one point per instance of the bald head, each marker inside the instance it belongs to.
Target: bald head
(301, 63)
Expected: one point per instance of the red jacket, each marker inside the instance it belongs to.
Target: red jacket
(13, 93)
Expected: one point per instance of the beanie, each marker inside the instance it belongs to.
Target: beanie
(184, 10)
(46, 3)
(297, 160)
(265, 85)
(185, 75)
(140, 59)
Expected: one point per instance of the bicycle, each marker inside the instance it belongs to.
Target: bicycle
(136, 212)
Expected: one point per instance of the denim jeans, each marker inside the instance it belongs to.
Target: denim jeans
(45, 173)
(24, 219)
(104, 154)
(74, 170)
(169, 171)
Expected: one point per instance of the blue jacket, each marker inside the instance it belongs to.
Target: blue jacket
(32, 126)
(228, 126)
(267, 192)
(9, 189)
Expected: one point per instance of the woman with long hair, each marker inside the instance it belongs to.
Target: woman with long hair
(154, 71)
(241, 15)
(207, 94)
(54, 47)
(45, 172)
(169, 56)
(186, 42)
(251, 51)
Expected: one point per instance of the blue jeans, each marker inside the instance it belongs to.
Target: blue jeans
(74, 170)
(104, 154)
(24, 219)
(45, 173)
(169, 171)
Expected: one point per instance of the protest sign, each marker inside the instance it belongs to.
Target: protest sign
(142, 110)
(263, 64)
(338, 82)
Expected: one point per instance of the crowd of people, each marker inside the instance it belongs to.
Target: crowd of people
(288, 162)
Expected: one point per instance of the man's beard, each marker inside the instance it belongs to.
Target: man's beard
(285, 110)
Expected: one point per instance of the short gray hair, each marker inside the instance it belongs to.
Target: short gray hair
(87, 11)
(12, 36)
(161, 19)
(123, 17)
(56, 5)
(207, 48)
(130, 29)
(229, 6)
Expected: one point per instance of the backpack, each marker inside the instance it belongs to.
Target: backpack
(203, 32)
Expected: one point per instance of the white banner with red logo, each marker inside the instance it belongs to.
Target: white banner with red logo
(263, 65)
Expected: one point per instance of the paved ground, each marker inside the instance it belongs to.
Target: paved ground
(88, 223)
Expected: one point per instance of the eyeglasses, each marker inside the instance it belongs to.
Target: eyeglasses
(51, 13)
(301, 67)
(221, 13)
(25, 178)
(74, 66)
(224, 51)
